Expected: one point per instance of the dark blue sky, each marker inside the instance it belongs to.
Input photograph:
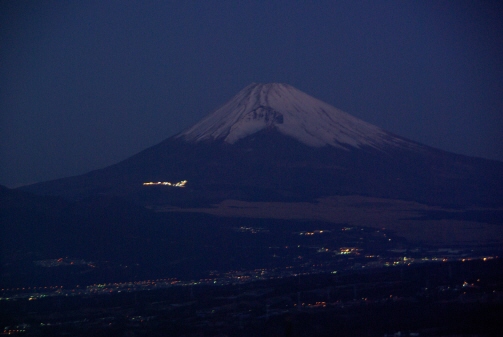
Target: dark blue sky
(84, 84)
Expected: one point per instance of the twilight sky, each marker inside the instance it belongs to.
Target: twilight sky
(85, 84)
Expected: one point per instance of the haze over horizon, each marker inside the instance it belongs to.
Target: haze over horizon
(85, 85)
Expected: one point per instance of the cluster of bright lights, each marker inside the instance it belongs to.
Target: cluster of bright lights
(348, 250)
(13, 331)
(167, 183)
(315, 305)
(316, 231)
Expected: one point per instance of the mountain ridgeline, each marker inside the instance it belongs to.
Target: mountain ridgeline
(272, 142)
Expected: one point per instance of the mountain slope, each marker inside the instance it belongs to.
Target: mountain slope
(273, 142)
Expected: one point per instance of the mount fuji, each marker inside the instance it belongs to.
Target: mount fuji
(292, 113)
(272, 142)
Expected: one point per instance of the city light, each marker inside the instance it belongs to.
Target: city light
(166, 183)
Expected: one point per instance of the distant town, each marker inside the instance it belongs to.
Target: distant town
(310, 252)
(335, 277)
(430, 295)
(357, 262)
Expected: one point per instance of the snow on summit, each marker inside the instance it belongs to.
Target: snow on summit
(289, 111)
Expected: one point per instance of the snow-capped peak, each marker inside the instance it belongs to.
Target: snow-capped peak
(289, 111)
